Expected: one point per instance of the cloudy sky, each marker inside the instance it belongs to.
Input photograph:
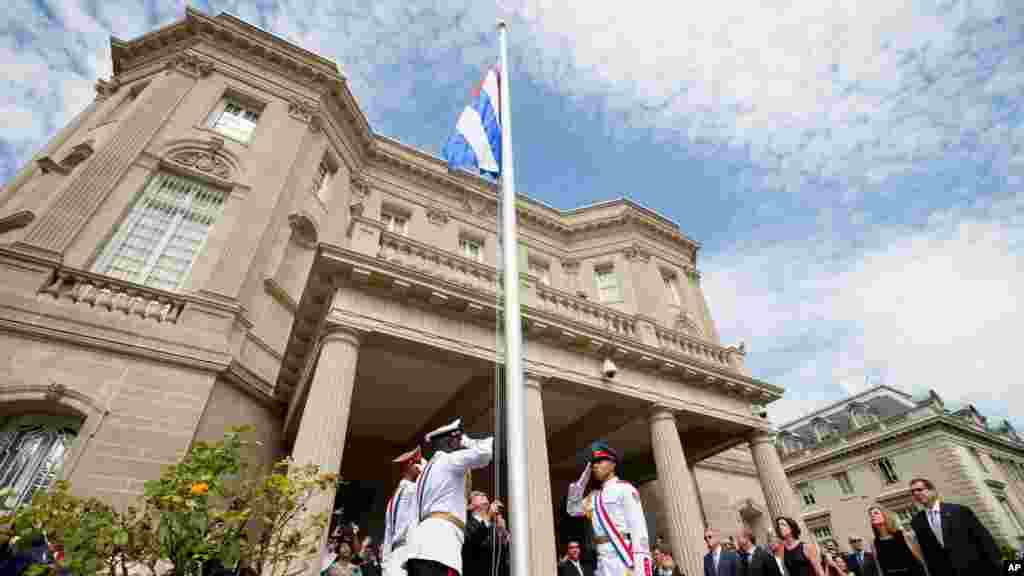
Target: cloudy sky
(854, 170)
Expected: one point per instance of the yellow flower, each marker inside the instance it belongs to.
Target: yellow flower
(200, 488)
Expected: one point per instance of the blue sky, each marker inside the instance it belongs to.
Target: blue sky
(854, 170)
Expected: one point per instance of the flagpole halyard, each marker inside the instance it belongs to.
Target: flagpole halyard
(515, 393)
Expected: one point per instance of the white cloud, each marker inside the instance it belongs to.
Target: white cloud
(939, 307)
(854, 92)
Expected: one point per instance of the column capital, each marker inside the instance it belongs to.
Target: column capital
(535, 380)
(343, 333)
(658, 412)
(761, 436)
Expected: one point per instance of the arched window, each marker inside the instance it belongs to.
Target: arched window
(32, 450)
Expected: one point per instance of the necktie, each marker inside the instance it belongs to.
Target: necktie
(933, 515)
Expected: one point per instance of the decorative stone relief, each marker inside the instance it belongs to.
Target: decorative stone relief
(191, 65)
(204, 161)
(303, 230)
(360, 192)
(637, 253)
(77, 155)
(303, 111)
(55, 390)
(477, 206)
(437, 216)
(105, 88)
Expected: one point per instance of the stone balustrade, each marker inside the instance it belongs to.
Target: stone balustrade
(584, 311)
(98, 291)
(687, 345)
(432, 261)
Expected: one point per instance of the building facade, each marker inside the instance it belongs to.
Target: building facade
(221, 239)
(866, 449)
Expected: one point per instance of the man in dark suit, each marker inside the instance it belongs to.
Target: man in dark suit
(573, 565)
(953, 541)
(486, 540)
(860, 562)
(754, 561)
(719, 562)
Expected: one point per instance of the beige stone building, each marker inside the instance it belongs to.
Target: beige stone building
(220, 238)
(866, 449)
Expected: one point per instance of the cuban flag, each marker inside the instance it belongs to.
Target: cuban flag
(476, 143)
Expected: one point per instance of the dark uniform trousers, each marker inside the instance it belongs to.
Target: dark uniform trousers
(417, 567)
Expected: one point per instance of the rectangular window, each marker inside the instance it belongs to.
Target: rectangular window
(823, 534)
(888, 471)
(541, 271)
(672, 288)
(394, 223)
(235, 120)
(472, 249)
(806, 494)
(607, 284)
(844, 483)
(322, 181)
(1011, 513)
(157, 242)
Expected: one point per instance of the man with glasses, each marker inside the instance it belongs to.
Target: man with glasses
(718, 561)
(861, 563)
(953, 541)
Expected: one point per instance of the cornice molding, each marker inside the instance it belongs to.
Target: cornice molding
(541, 323)
(938, 423)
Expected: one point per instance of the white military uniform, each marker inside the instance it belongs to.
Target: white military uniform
(400, 519)
(617, 518)
(441, 491)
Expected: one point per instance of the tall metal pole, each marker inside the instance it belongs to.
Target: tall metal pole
(515, 393)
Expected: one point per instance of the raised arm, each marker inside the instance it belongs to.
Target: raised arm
(574, 503)
(474, 454)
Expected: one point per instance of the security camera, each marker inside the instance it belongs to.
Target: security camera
(608, 368)
(758, 410)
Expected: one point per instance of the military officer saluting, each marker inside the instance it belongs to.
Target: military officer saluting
(435, 545)
(401, 514)
(615, 514)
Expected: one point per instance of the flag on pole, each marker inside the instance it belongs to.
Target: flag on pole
(476, 143)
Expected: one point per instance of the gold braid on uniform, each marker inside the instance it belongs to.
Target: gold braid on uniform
(469, 484)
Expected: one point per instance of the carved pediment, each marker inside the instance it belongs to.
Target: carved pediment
(203, 160)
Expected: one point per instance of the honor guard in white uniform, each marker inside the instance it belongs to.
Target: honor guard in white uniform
(435, 546)
(401, 514)
(616, 516)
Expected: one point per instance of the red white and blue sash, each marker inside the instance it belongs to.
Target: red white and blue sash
(393, 514)
(421, 483)
(622, 548)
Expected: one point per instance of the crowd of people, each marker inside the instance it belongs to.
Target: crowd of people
(435, 526)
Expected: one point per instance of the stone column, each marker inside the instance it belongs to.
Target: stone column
(778, 493)
(543, 556)
(321, 436)
(682, 508)
(89, 185)
(696, 491)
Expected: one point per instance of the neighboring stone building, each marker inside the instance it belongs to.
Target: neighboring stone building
(220, 238)
(867, 448)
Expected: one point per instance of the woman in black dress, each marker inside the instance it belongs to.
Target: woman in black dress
(801, 559)
(896, 555)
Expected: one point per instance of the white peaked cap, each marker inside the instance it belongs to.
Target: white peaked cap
(456, 425)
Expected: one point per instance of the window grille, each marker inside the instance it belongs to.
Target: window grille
(672, 287)
(32, 449)
(236, 121)
(607, 285)
(845, 485)
(806, 494)
(471, 249)
(888, 471)
(158, 241)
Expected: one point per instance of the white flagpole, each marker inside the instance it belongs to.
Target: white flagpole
(515, 393)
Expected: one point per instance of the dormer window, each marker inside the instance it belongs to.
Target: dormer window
(235, 119)
(823, 429)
